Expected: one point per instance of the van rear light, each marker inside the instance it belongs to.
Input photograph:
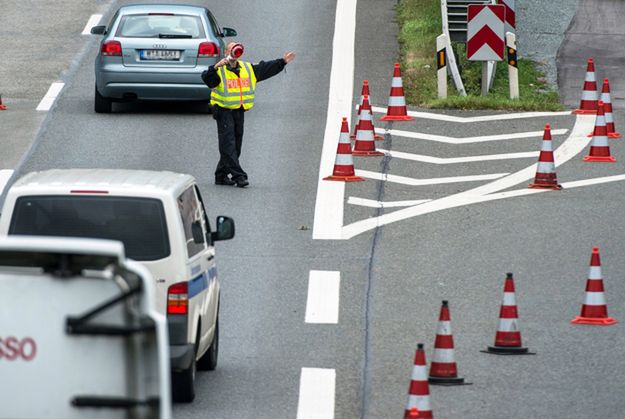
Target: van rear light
(111, 48)
(178, 298)
(208, 49)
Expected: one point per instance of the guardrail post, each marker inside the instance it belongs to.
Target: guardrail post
(441, 65)
(513, 71)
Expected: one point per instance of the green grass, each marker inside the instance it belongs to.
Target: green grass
(420, 24)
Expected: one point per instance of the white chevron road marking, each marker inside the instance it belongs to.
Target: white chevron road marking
(471, 119)
(455, 160)
(371, 203)
(422, 182)
(467, 140)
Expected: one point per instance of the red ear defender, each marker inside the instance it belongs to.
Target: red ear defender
(237, 50)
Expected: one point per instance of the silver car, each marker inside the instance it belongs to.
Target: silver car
(156, 52)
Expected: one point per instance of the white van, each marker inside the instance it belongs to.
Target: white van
(79, 334)
(160, 218)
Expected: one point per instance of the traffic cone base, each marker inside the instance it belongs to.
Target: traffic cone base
(447, 381)
(603, 159)
(540, 186)
(344, 178)
(613, 135)
(367, 153)
(397, 118)
(508, 350)
(606, 321)
(2, 107)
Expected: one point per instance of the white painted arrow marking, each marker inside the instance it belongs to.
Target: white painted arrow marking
(467, 140)
(455, 160)
(422, 182)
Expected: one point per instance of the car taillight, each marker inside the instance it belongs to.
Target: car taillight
(208, 49)
(110, 48)
(178, 299)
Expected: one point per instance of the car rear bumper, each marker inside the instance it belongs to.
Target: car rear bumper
(181, 356)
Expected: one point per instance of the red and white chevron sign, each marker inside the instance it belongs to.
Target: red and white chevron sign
(510, 15)
(485, 32)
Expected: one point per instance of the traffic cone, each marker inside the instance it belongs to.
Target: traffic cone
(344, 163)
(594, 309)
(546, 170)
(414, 413)
(607, 108)
(599, 148)
(443, 369)
(365, 145)
(419, 390)
(508, 336)
(397, 110)
(2, 107)
(588, 104)
(365, 92)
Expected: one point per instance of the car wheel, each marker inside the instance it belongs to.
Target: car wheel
(183, 384)
(102, 104)
(209, 359)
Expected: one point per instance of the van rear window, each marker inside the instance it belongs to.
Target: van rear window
(139, 223)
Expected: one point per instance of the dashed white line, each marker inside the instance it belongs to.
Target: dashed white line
(316, 393)
(5, 175)
(485, 118)
(93, 21)
(363, 202)
(322, 305)
(455, 160)
(48, 100)
(422, 182)
(466, 140)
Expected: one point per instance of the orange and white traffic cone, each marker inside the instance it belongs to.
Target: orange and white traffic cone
(419, 390)
(443, 369)
(546, 170)
(365, 92)
(508, 336)
(397, 110)
(588, 104)
(607, 108)
(599, 148)
(2, 107)
(414, 413)
(344, 163)
(365, 144)
(594, 309)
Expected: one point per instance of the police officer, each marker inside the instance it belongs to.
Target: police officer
(233, 82)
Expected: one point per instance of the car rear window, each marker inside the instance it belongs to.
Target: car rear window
(139, 223)
(160, 26)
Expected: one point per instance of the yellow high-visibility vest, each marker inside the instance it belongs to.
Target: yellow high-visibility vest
(235, 91)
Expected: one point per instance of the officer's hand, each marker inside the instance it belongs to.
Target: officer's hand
(288, 56)
(221, 63)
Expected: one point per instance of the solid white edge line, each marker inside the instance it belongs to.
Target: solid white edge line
(464, 120)
(328, 220)
(371, 203)
(322, 304)
(467, 140)
(316, 393)
(432, 181)
(93, 21)
(5, 175)
(49, 98)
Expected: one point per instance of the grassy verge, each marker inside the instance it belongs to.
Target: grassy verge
(420, 24)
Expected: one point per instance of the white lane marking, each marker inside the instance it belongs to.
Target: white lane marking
(485, 118)
(330, 195)
(363, 202)
(572, 146)
(48, 100)
(322, 305)
(5, 175)
(316, 393)
(93, 21)
(467, 140)
(432, 181)
(455, 160)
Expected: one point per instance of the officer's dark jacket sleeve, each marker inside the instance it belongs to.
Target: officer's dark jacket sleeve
(265, 69)
(211, 77)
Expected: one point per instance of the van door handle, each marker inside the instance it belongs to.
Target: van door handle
(210, 257)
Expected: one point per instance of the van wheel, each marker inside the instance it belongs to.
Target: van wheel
(183, 384)
(209, 359)
(101, 104)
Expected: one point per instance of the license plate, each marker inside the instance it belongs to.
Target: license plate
(159, 54)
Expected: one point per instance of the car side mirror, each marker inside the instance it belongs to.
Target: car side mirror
(98, 30)
(196, 231)
(229, 32)
(225, 229)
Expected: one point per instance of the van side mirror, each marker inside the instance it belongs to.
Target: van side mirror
(225, 229)
(229, 32)
(196, 231)
(98, 30)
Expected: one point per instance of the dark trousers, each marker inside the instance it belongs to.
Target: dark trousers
(230, 134)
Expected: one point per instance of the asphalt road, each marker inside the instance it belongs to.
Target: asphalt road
(392, 278)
